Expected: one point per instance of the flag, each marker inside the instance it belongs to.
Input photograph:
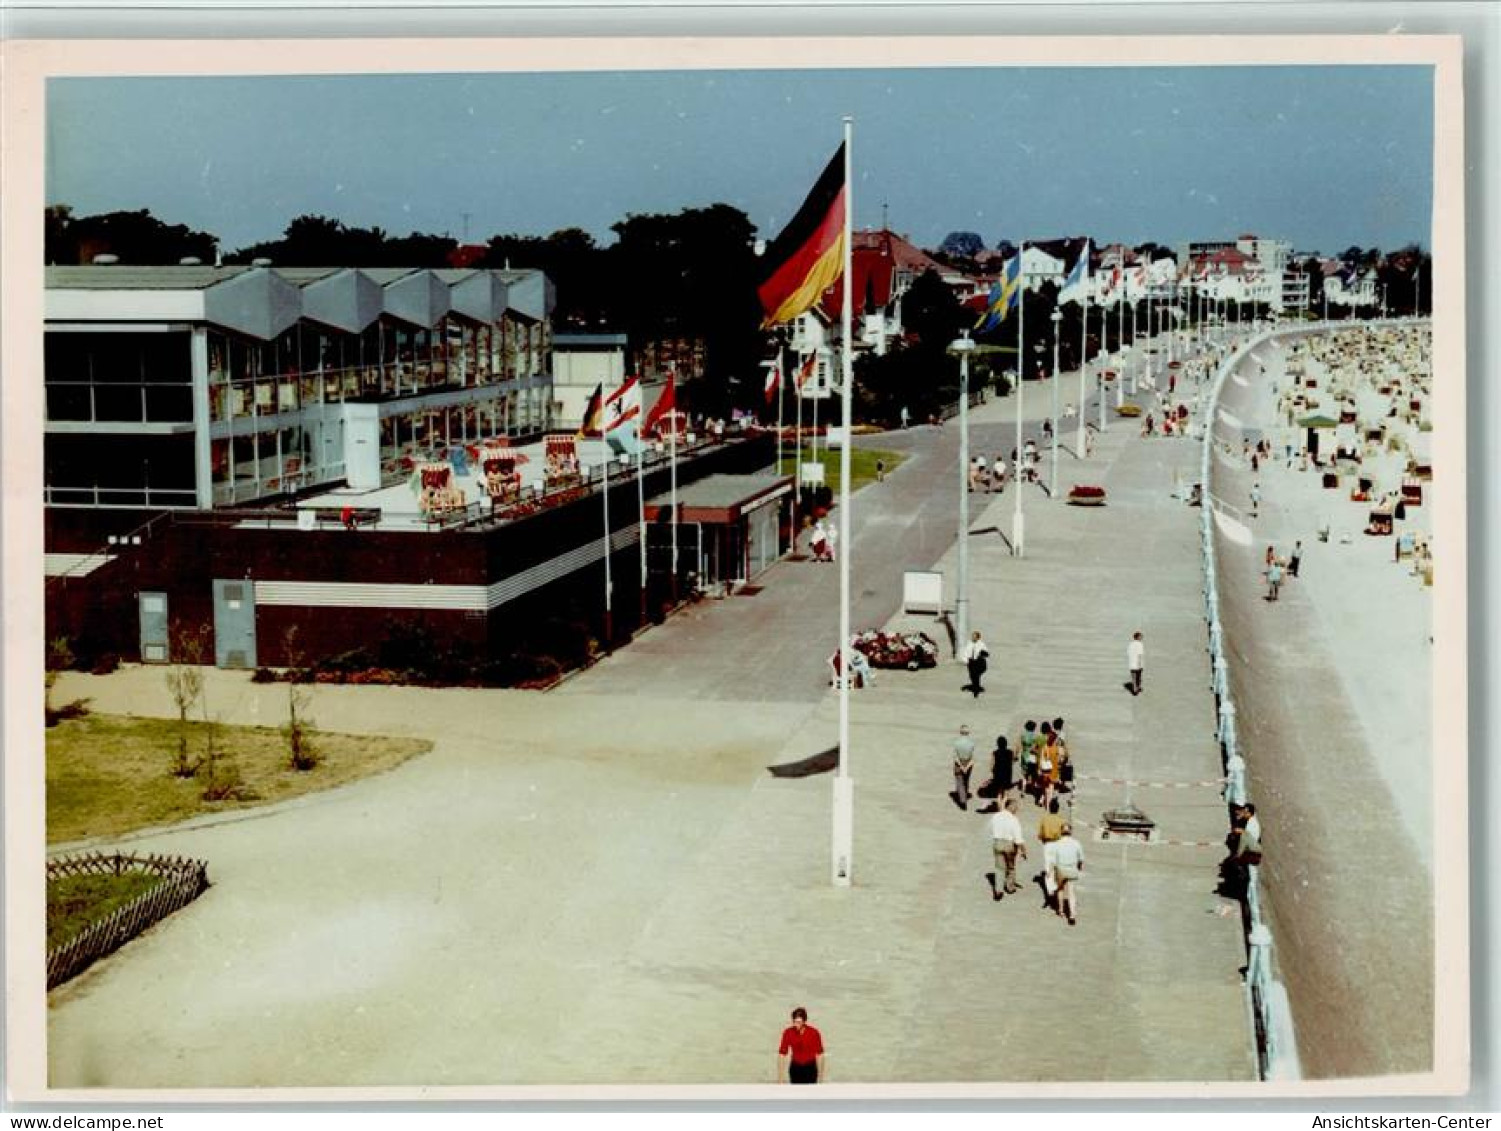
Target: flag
(666, 403)
(808, 256)
(622, 413)
(1002, 297)
(773, 380)
(1077, 275)
(593, 417)
(806, 370)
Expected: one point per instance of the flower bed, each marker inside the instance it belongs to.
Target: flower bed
(910, 650)
(1086, 495)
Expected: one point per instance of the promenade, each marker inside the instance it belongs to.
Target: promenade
(603, 885)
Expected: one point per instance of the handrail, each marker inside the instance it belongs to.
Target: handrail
(1266, 1006)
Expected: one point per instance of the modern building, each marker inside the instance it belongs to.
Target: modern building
(582, 363)
(246, 450)
(200, 387)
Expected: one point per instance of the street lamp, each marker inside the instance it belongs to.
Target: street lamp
(963, 347)
(1018, 520)
(1057, 318)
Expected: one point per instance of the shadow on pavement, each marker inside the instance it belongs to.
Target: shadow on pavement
(821, 763)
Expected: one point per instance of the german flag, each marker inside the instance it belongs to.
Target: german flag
(809, 254)
(594, 416)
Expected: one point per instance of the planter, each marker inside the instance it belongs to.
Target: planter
(1086, 500)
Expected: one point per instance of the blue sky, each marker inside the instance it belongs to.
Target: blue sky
(1324, 156)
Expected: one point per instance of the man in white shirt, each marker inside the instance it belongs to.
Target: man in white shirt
(964, 765)
(1136, 653)
(1007, 843)
(1068, 863)
(975, 656)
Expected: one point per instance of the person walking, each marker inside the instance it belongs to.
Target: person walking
(1028, 755)
(964, 765)
(1003, 769)
(1295, 559)
(1007, 844)
(906, 417)
(976, 658)
(1273, 579)
(1255, 499)
(1068, 863)
(1049, 832)
(800, 1056)
(880, 471)
(1136, 655)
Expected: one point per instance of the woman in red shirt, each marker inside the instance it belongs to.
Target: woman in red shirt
(800, 1057)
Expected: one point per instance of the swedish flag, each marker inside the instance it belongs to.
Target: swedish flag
(1003, 296)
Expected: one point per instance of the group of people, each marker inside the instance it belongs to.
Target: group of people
(1275, 568)
(1046, 771)
(1039, 767)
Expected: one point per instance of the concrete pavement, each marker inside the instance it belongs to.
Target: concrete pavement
(602, 884)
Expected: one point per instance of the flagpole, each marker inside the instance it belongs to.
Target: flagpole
(609, 581)
(672, 424)
(797, 459)
(641, 493)
(844, 788)
(1018, 521)
(1083, 355)
(1120, 339)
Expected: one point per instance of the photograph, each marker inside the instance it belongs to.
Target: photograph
(422, 460)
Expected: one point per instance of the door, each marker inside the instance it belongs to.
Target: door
(154, 646)
(234, 623)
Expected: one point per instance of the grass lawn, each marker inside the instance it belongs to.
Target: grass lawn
(108, 774)
(862, 465)
(73, 902)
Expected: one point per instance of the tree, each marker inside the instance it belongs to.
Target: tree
(185, 684)
(134, 237)
(964, 245)
(301, 754)
(931, 312)
(1005, 248)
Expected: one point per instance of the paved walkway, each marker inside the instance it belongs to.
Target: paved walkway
(602, 884)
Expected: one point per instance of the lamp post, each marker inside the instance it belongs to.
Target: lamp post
(963, 347)
(1057, 319)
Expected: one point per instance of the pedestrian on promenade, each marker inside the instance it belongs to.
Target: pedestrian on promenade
(1255, 499)
(1244, 848)
(978, 478)
(964, 765)
(1273, 579)
(1068, 863)
(880, 471)
(800, 1056)
(976, 657)
(1270, 557)
(998, 473)
(1028, 754)
(1047, 765)
(1049, 831)
(1295, 559)
(905, 418)
(818, 542)
(1007, 844)
(1002, 770)
(1136, 656)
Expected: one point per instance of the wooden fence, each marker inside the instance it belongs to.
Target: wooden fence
(181, 881)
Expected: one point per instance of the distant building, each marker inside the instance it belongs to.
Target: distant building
(582, 363)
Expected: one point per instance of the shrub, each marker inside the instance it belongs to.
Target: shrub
(105, 663)
(264, 675)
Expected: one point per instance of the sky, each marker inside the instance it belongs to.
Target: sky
(1321, 156)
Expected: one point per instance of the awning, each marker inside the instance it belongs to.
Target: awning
(720, 499)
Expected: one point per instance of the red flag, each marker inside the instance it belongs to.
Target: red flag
(806, 371)
(665, 404)
(773, 381)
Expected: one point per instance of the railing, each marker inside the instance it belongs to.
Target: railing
(182, 881)
(128, 498)
(1261, 1001)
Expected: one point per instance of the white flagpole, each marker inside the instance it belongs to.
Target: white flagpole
(673, 486)
(797, 459)
(844, 789)
(1018, 521)
(781, 381)
(641, 489)
(1083, 355)
(609, 582)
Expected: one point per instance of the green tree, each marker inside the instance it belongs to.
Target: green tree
(135, 237)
